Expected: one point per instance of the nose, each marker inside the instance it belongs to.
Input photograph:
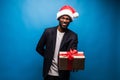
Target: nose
(64, 20)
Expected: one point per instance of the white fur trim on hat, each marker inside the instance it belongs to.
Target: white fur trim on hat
(75, 14)
(65, 12)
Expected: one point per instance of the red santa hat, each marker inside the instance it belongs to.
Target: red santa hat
(67, 10)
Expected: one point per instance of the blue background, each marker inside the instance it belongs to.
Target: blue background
(22, 23)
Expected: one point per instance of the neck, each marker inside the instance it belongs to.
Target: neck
(61, 29)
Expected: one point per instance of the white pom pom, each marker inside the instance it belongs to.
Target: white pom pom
(75, 14)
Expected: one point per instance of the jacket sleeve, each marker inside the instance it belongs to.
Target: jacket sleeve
(73, 43)
(41, 44)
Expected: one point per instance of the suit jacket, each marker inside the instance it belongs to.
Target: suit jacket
(46, 47)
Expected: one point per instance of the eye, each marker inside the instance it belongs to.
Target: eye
(67, 19)
(62, 18)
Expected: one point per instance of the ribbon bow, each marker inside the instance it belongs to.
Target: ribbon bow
(71, 53)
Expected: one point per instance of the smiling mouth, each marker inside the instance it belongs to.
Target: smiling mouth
(64, 24)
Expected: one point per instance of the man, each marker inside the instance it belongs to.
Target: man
(56, 39)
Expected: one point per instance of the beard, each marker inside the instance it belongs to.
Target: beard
(63, 27)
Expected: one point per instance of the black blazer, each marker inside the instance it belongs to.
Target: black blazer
(46, 46)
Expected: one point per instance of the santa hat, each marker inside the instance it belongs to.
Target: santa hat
(67, 10)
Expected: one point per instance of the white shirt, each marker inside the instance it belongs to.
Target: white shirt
(54, 67)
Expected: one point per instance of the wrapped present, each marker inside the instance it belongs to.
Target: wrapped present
(71, 60)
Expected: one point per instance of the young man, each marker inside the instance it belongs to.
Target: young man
(56, 39)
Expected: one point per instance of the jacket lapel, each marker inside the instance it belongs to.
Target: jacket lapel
(54, 37)
(64, 39)
(66, 35)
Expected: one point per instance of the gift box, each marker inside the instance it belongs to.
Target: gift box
(72, 60)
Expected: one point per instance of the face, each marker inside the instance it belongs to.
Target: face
(64, 21)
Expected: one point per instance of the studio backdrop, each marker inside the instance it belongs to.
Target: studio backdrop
(22, 23)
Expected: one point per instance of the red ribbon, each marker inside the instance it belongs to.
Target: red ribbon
(70, 55)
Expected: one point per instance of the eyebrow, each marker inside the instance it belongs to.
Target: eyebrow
(65, 17)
